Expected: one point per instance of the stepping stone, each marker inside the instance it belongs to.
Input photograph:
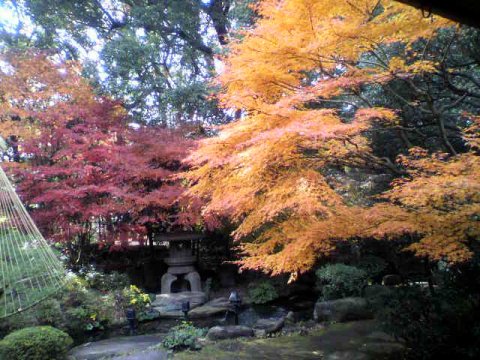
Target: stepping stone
(229, 332)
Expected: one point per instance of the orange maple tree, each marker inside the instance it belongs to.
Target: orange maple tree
(276, 174)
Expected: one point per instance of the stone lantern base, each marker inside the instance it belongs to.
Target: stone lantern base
(192, 277)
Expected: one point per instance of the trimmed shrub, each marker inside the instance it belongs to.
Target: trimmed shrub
(339, 280)
(35, 343)
(262, 292)
(183, 336)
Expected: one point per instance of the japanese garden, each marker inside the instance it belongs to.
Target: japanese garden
(239, 179)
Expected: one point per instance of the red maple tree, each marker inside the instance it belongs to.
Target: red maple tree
(86, 174)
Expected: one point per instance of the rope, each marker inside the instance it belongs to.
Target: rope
(29, 270)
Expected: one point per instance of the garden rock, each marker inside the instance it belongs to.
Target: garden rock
(380, 336)
(229, 332)
(170, 305)
(290, 318)
(346, 355)
(270, 326)
(385, 350)
(211, 308)
(346, 309)
(259, 333)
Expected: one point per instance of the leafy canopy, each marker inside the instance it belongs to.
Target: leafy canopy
(308, 85)
(85, 171)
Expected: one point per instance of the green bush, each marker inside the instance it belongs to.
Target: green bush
(444, 325)
(35, 343)
(17, 321)
(49, 312)
(88, 311)
(135, 297)
(106, 282)
(262, 292)
(372, 265)
(339, 280)
(183, 336)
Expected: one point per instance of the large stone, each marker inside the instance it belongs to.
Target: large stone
(346, 355)
(381, 336)
(214, 307)
(290, 318)
(384, 350)
(347, 309)
(170, 305)
(229, 332)
(270, 326)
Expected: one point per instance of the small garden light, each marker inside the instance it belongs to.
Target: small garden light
(185, 308)
(131, 316)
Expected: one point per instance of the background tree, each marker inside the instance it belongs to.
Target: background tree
(155, 56)
(86, 174)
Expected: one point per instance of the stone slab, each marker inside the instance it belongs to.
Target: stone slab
(269, 326)
(111, 348)
(229, 332)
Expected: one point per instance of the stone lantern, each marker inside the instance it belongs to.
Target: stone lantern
(181, 275)
(181, 283)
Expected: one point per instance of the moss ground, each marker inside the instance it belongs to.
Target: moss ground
(359, 340)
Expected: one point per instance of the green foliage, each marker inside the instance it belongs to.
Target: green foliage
(83, 311)
(372, 265)
(106, 282)
(158, 57)
(183, 336)
(17, 321)
(75, 283)
(211, 285)
(84, 318)
(88, 310)
(26, 281)
(35, 343)
(340, 280)
(440, 326)
(49, 312)
(133, 296)
(262, 292)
